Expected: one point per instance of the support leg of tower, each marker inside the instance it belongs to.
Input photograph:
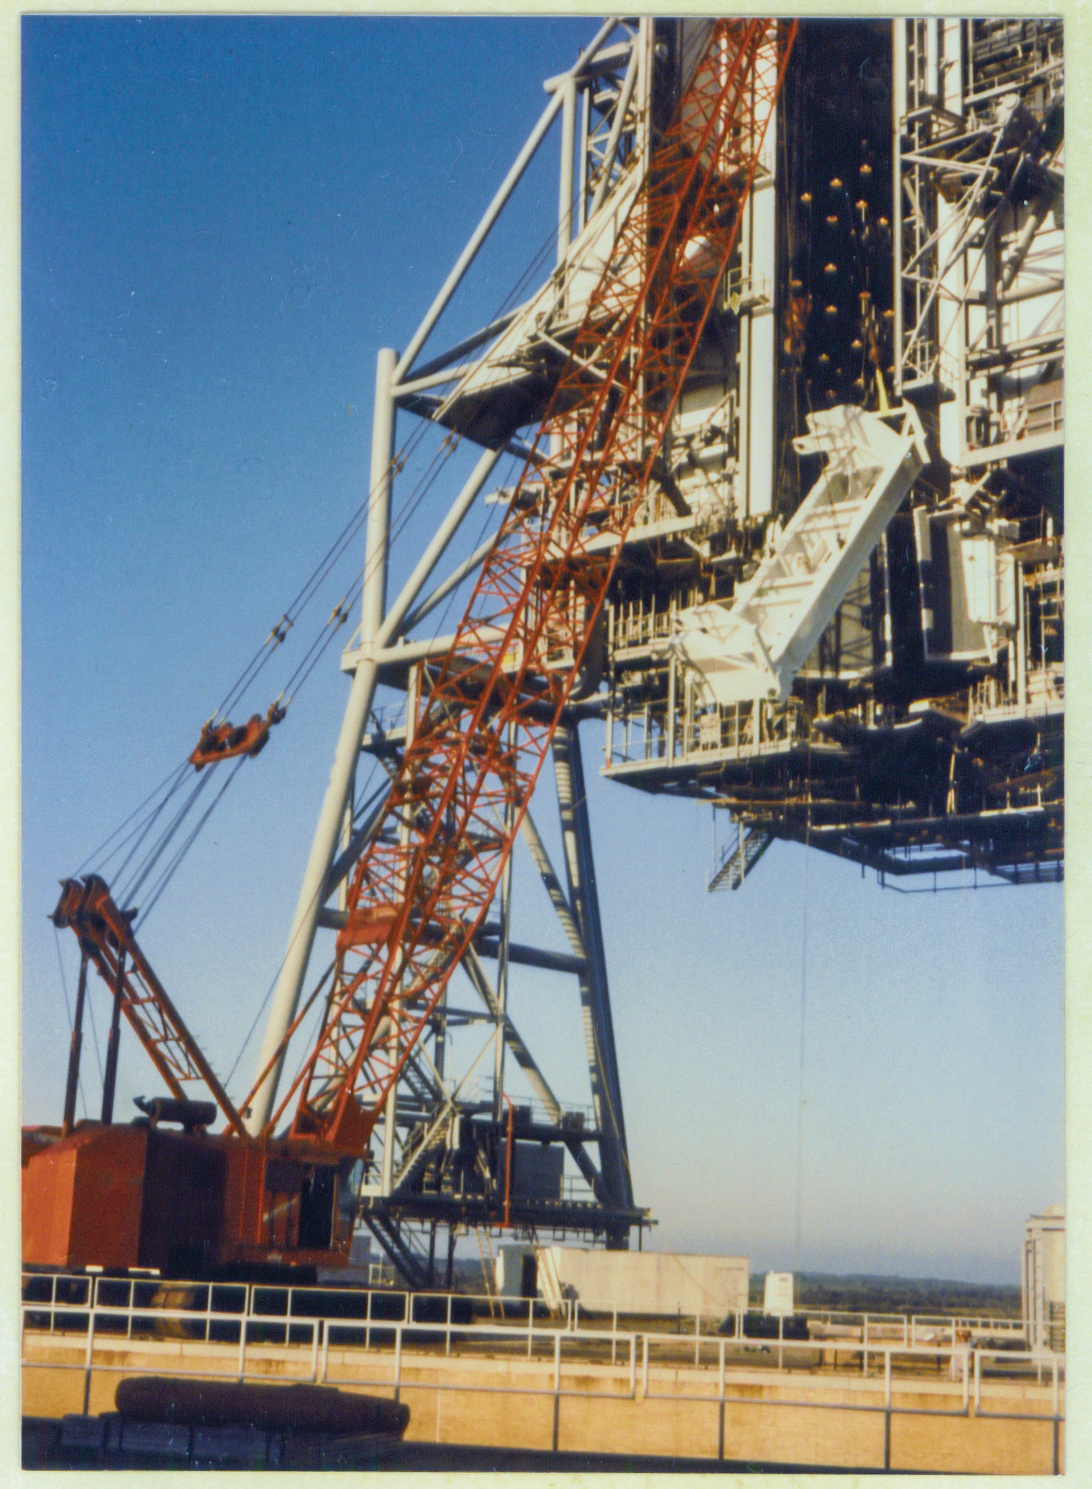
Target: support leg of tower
(594, 991)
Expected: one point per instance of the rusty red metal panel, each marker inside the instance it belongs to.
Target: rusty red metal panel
(82, 1199)
(186, 1203)
(49, 1178)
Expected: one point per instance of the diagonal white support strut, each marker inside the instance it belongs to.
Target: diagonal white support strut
(754, 647)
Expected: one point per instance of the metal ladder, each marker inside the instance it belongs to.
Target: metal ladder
(489, 1268)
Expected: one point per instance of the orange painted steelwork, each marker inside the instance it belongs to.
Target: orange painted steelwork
(226, 741)
(105, 934)
(478, 741)
(483, 729)
(120, 1195)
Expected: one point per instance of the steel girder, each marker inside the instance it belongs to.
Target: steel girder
(482, 730)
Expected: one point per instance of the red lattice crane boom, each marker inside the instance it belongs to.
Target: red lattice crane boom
(106, 939)
(480, 736)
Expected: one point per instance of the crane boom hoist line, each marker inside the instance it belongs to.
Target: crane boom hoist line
(483, 728)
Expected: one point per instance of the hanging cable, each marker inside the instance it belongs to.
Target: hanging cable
(177, 778)
(173, 776)
(489, 518)
(325, 565)
(338, 617)
(254, 1024)
(90, 1006)
(798, 1229)
(144, 865)
(358, 810)
(138, 835)
(140, 830)
(125, 895)
(169, 872)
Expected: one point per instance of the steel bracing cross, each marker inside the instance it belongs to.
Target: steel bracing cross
(488, 712)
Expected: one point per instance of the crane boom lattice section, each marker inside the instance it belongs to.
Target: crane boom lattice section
(488, 712)
(106, 937)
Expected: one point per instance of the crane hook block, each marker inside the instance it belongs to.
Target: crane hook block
(226, 740)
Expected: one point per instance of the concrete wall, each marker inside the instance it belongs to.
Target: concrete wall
(514, 1402)
(652, 1282)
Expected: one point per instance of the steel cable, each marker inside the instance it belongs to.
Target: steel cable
(142, 829)
(357, 811)
(169, 871)
(144, 868)
(319, 574)
(68, 1011)
(178, 772)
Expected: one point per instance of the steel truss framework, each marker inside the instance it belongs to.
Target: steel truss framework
(107, 942)
(924, 732)
(661, 210)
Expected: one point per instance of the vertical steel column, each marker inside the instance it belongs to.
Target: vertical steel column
(302, 935)
(900, 108)
(671, 704)
(111, 1074)
(503, 940)
(951, 306)
(374, 597)
(565, 186)
(361, 694)
(346, 840)
(594, 992)
(492, 212)
(629, 82)
(69, 1118)
(390, 1114)
(582, 180)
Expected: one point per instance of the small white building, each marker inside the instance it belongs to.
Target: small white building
(662, 1283)
(1043, 1279)
(360, 1271)
(778, 1294)
(515, 1271)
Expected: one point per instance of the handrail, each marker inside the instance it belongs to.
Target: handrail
(559, 1345)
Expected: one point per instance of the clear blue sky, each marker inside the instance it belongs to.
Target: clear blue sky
(223, 220)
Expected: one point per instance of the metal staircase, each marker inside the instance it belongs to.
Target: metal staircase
(404, 1249)
(739, 857)
(489, 1269)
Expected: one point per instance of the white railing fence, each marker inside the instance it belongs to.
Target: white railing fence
(260, 1315)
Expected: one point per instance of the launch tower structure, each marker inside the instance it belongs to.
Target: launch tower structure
(807, 566)
(663, 130)
(910, 249)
